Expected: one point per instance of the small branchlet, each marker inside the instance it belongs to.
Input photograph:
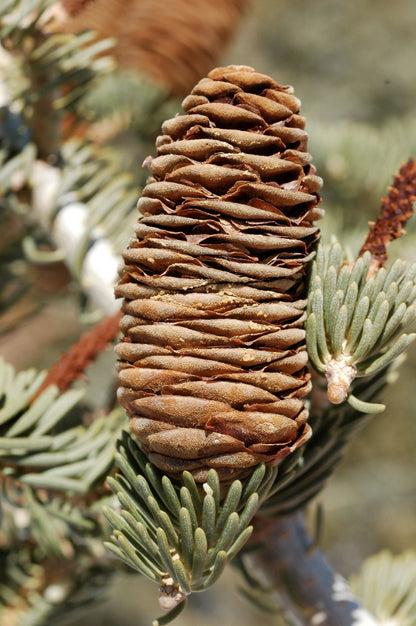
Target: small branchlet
(357, 325)
(58, 69)
(386, 586)
(359, 313)
(50, 474)
(176, 533)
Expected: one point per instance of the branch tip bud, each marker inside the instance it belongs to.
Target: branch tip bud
(170, 596)
(339, 374)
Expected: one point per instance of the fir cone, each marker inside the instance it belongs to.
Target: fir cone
(212, 367)
(174, 43)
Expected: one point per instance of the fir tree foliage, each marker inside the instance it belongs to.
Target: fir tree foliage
(54, 463)
(41, 450)
(66, 487)
(385, 584)
(357, 325)
(45, 177)
(55, 71)
(177, 534)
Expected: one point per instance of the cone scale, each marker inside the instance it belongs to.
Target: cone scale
(212, 364)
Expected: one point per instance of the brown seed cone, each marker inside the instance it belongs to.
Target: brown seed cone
(213, 363)
(174, 43)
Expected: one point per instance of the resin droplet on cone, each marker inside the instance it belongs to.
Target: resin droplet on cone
(212, 366)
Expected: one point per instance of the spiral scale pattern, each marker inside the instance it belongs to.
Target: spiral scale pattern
(213, 364)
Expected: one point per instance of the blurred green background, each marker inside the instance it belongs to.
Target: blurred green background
(353, 64)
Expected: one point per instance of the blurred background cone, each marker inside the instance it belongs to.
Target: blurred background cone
(174, 43)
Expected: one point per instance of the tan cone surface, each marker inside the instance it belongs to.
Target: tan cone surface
(213, 361)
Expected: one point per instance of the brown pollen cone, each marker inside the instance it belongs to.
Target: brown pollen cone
(212, 366)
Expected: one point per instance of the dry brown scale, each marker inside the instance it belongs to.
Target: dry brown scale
(213, 364)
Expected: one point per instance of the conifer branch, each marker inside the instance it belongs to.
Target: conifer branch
(386, 585)
(308, 591)
(214, 361)
(45, 117)
(70, 196)
(53, 473)
(176, 533)
(357, 324)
